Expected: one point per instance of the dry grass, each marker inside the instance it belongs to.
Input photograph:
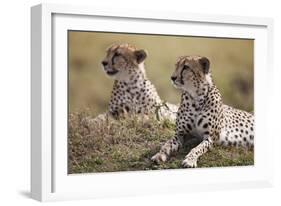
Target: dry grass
(128, 145)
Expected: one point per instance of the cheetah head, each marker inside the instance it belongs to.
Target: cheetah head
(192, 74)
(123, 61)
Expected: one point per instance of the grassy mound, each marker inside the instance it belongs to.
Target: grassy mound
(128, 145)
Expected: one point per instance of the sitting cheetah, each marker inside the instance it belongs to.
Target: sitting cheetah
(132, 91)
(202, 114)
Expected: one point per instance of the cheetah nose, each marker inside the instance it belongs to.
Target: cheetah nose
(173, 78)
(104, 63)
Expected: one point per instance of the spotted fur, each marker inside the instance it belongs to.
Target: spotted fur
(202, 115)
(132, 91)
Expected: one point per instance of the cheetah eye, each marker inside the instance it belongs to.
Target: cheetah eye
(117, 54)
(186, 67)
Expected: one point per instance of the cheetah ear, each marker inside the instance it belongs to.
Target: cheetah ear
(140, 55)
(205, 63)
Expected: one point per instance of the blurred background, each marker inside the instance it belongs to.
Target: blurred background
(232, 66)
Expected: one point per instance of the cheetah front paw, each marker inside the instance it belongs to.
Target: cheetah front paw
(189, 162)
(159, 157)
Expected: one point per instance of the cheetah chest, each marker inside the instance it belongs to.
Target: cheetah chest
(194, 123)
(137, 99)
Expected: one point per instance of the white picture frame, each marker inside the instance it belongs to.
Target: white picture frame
(49, 178)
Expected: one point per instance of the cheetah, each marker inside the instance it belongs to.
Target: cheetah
(202, 116)
(132, 92)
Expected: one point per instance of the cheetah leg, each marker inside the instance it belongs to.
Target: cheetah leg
(98, 119)
(171, 146)
(192, 157)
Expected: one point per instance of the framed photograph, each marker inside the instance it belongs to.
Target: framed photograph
(138, 102)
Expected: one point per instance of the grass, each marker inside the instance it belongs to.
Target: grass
(128, 144)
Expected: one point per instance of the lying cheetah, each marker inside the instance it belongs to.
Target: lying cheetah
(202, 115)
(132, 91)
